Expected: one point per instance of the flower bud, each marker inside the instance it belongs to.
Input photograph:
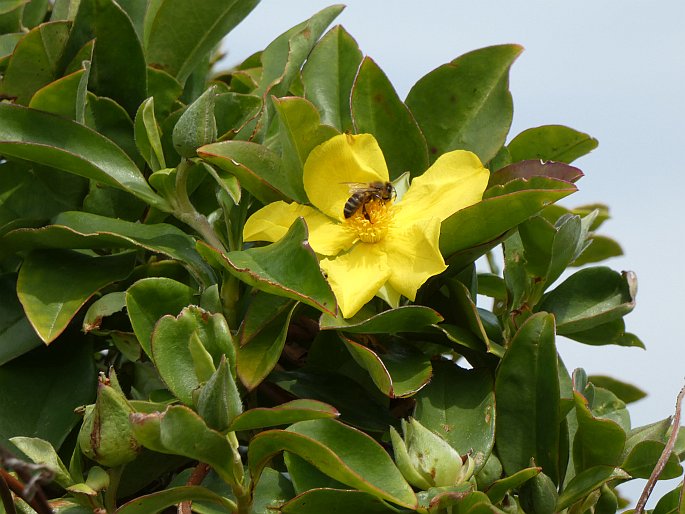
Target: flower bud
(426, 460)
(106, 435)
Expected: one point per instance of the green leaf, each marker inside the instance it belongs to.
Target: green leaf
(147, 136)
(328, 76)
(63, 144)
(43, 453)
(53, 285)
(111, 120)
(16, 334)
(589, 298)
(218, 402)
(284, 414)
(599, 249)
(84, 230)
(178, 35)
(35, 61)
(258, 169)
(258, 357)
(61, 377)
(342, 452)
(465, 314)
(465, 420)
(671, 502)
(500, 488)
(643, 458)
(181, 431)
(104, 306)
(397, 373)
(158, 501)
(34, 12)
(376, 109)
(534, 168)
(119, 69)
(61, 96)
(165, 89)
(466, 103)
(597, 441)
(503, 208)
(407, 318)
(173, 355)
(551, 143)
(299, 132)
(612, 332)
(586, 482)
(287, 268)
(233, 111)
(527, 396)
(196, 126)
(151, 298)
(626, 392)
(336, 501)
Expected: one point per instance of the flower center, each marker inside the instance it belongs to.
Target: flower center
(371, 220)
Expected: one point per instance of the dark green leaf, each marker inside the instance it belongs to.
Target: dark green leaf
(671, 502)
(287, 268)
(63, 144)
(534, 168)
(103, 307)
(600, 248)
(35, 61)
(466, 103)
(527, 396)
(263, 308)
(551, 143)
(151, 298)
(328, 76)
(591, 297)
(147, 136)
(377, 110)
(218, 402)
(586, 482)
(178, 35)
(284, 414)
(16, 334)
(612, 332)
(465, 420)
(233, 111)
(53, 285)
(158, 501)
(34, 12)
(597, 441)
(407, 318)
(61, 96)
(500, 488)
(165, 89)
(196, 126)
(111, 120)
(643, 458)
(503, 208)
(61, 378)
(336, 501)
(345, 454)
(625, 391)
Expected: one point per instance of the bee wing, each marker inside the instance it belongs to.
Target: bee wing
(356, 187)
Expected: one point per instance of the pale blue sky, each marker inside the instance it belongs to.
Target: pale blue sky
(614, 69)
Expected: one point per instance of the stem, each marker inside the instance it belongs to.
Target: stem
(111, 492)
(661, 464)
(241, 490)
(6, 497)
(186, 212)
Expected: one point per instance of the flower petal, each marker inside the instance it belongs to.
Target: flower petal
(342, 160)
(456, 180)
(356, 276)
(272, 221)
(413, 255)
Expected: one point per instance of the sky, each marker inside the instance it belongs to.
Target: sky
(613, 69)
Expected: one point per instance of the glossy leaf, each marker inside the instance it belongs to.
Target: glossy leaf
(53, 285)
(233, 111)
(284, 414)
(16, 334)
(83, 230)
(643, 458)
(527, 395)
(378, 110)
(589, 298)
(300, 130)
(158, 501)
(398, 373)
(306, 476)
(287, 268)
(61, 96)
(586, 482)
(257, 358)
(612, 332)
(328, 76)
(503, 208)
(35, 61)
(626, 392)
(173, 354)
(263, 308)
(119, 69)
(42, 452)
(466, 104)
(336, 501)
(178, 35)
(151, 298)
(465, 420)
(147, 136)
(346, 454)
(62, 376)
(528, 169)
(500, 488)
(258, 169)
(597, 441)
(551, 143)
(196, 126)
(407, 318)
(103, 307)
(63, 144)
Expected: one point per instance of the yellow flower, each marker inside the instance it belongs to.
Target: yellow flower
(385, 248)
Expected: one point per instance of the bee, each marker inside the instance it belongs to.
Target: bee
(364, 193)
